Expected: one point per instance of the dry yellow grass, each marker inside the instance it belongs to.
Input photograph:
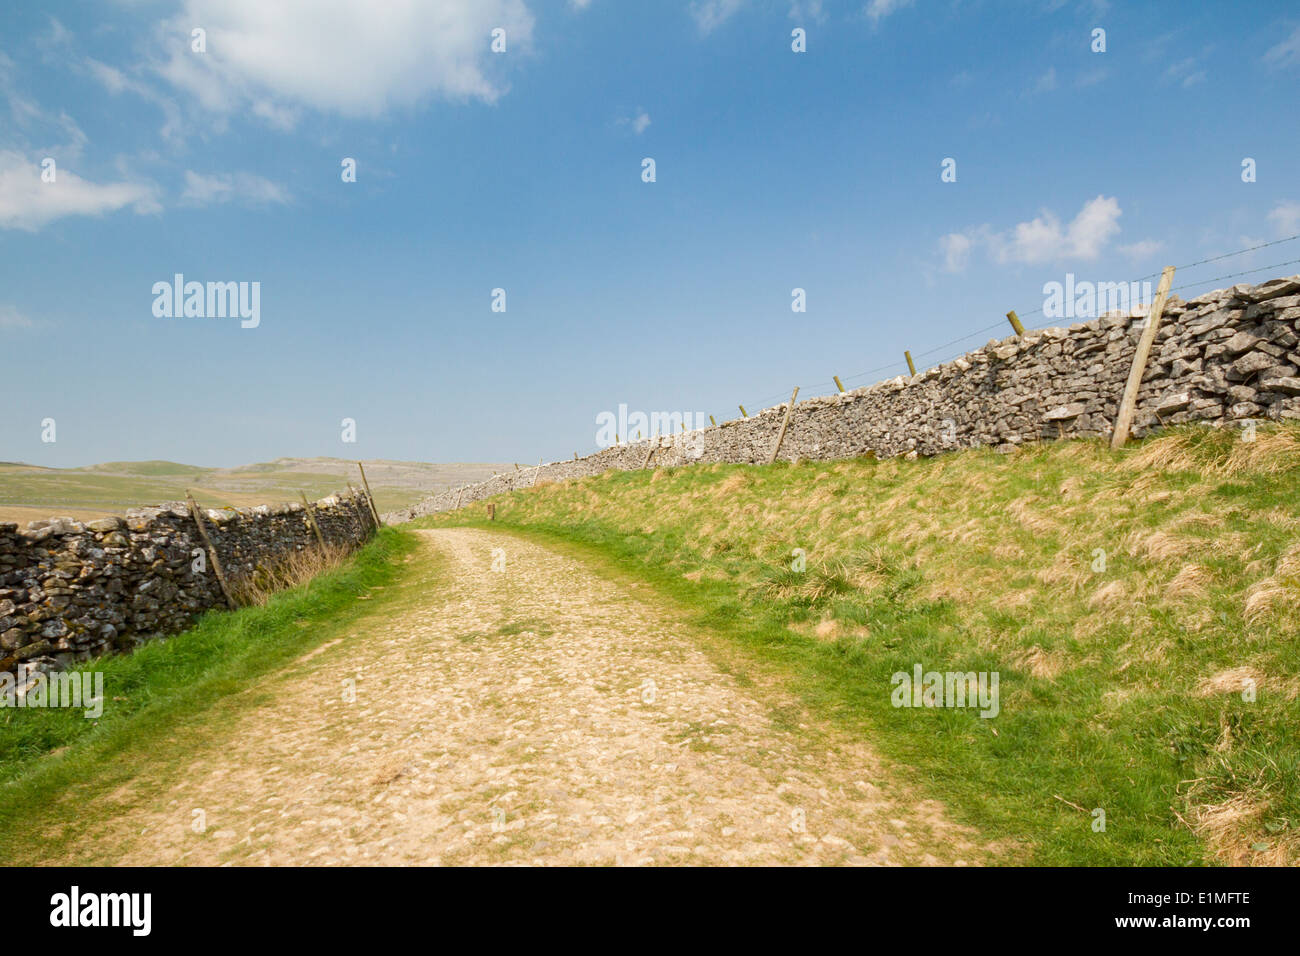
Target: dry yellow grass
(1231, 681)
(291, 571)
(1192, 581)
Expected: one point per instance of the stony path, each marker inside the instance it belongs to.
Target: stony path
(536, 714)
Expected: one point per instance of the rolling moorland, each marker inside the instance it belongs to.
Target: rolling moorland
(31, 492)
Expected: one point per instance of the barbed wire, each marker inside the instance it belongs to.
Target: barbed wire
(900, 364)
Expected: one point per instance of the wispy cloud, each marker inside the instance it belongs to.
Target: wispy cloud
(1091, 78)
(1285, 217)
(1286, 53)
(638, 122)
(28, 203)
(1040, 240)
(228, 187)
(711, 14)
(805, 11)
(37, 129)
(1141, 250)
(11, 318)
(1185, 71)
(201, 190)
(1045, 83)
(877, 10)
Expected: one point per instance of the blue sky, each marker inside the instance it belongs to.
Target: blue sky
(522, 170)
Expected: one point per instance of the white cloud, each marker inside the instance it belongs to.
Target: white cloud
(1286, 53)
(11, 318)
(1045, 83)
(1091, 78)
(711, 14)
(359, 60)
(807, 10)
(639, 121)
(60, 135)
(1286, 216)
(1042, 239)
(956, 249)
(1185, 72)
(28, 203)
(877, 10)
(1142, 249)
(203, 190)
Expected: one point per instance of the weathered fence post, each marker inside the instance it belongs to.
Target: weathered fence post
(212, 551)
(1015, 322)
(311, 516)
(780, 437)
(838, 383)
(911, 367)
(1128, 404)
(369, 497)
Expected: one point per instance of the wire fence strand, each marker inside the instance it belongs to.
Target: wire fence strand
(900, 364)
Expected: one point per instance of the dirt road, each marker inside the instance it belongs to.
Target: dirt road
(538, 713)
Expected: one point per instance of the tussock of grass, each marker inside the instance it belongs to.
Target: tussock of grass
(292, 570)
(1111, 591)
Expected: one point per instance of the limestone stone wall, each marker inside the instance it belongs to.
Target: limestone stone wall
(71, 590)
(1226, 356)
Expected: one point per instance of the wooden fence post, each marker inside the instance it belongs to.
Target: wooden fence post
(712, 422)
(649, 451)
(780, 437)
(1128, 404)
(1015, 322)
(492, 511)
(838, 383)
(910, 365)
(311, 516)
(369, 497)
(743, 412)
(212, 552)
(460, 491)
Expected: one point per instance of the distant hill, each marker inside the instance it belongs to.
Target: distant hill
(28, 492)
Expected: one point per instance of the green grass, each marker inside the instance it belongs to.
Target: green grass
(167, 685)
(980, 562)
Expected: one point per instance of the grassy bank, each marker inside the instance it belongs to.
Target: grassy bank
(166, 683)
(1128, 602)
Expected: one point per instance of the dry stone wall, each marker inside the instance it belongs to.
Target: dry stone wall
(1224, 357)
(70, 590)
